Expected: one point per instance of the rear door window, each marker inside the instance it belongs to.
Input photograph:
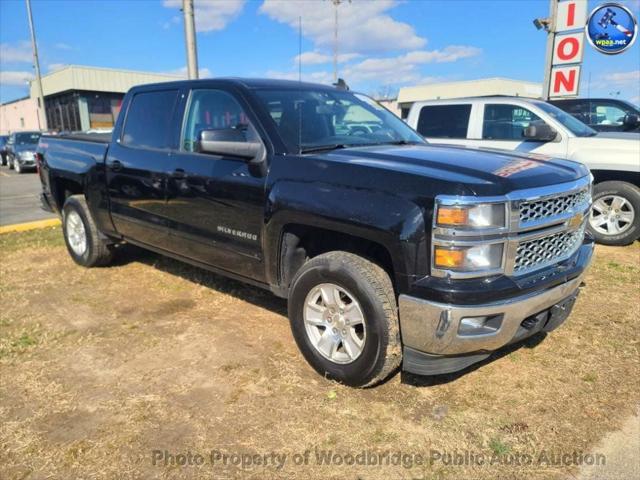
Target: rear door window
(444, 121)
(149, 122)
(506, 122)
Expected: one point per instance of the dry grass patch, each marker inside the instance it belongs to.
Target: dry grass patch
(99, 368)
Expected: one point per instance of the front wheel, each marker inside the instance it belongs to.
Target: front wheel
(84, 242)
(344, 318)
(615, 215)
(17, 167)
(10, 162)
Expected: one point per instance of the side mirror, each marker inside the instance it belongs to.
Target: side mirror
(540, 132)
(630, 120)
(228, 141)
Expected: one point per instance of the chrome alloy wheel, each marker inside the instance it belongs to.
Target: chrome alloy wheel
(334, 323)
(76, 234)
(611, 215)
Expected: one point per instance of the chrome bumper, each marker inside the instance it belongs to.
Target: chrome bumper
(434, 327)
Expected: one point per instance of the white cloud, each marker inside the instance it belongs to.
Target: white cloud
(622, 78)
(53, 67)
(63, 46)
(318, 58)
(404, 68)
(17, 53)
(364, 26)
(15, 78)
(210, 15)
(182, 72)
(316, 77)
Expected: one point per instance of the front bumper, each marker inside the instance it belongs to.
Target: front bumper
(436, 341)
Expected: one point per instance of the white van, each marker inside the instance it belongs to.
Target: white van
(533, 126)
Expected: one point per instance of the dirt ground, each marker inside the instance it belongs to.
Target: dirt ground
(154, 369)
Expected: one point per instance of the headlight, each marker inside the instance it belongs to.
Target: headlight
(486, 257)
(26, 155)
(482, 215)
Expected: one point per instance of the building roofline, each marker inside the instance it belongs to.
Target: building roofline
(110, 69)
(15, 100)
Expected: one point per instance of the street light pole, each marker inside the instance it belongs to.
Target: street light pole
(190, 39)
(551, 29)
(42, 114)
(336, 4)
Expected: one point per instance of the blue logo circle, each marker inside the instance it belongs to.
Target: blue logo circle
(611, 28)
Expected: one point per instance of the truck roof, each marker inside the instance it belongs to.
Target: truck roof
(250, 83)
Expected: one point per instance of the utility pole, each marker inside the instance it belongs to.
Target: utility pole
(336, 4)
(42, 114)
(550, 29)
(190, 39)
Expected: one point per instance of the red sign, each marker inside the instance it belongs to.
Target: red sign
(564, 81)
(568, 48)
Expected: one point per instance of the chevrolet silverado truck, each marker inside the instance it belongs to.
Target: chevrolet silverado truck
(390, 251)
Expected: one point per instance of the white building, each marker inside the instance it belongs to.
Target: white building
(77, 98)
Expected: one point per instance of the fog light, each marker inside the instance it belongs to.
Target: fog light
(482, 325)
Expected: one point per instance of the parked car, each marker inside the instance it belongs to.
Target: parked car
(603, 114)
(532, 126)
(3, 149)
(21, 150)
(390, 251)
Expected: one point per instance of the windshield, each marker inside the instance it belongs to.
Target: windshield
(310, 119)
(25, 138)
(570, 122)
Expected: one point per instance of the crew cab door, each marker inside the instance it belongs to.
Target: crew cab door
(215, 203)
(136, 167)
(502, 126)
(449, 124)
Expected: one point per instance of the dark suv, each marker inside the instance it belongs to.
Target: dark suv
(602, 114)
(21, 150)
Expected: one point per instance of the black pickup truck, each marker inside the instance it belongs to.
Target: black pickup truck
(390, 251)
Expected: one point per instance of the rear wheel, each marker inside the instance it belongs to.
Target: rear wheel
(344, 318)
(615, 215)
(84, 242)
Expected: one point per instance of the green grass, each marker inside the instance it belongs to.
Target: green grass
(498, 447)
(43, 237)
(18, 344)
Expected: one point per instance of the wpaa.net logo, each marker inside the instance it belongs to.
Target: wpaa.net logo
(611, 28)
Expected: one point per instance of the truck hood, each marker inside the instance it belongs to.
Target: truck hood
(25, 147)
(484, 172)
(607, 151)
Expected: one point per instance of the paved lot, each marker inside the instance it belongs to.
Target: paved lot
(19, 201)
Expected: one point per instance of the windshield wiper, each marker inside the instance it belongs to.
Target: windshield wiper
(401, 142)
(324, 148)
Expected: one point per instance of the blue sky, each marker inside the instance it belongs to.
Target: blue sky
(384, 43)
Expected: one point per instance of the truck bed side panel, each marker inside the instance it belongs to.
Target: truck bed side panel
(78, 166)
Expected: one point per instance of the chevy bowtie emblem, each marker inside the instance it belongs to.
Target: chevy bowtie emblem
(576, 220)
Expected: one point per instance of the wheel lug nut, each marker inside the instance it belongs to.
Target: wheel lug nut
(344, 332)
(335, 330)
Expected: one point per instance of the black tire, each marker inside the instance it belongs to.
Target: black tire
(98, 251)
(631, 194)
(381, 353)
(17, 167)
(10, 162)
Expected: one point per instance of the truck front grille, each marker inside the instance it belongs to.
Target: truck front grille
(536, 210)
(535, 254)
